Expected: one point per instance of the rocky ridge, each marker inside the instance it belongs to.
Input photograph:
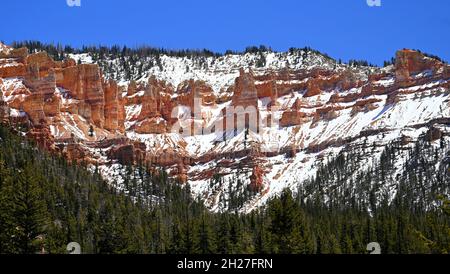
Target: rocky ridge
(316, 108)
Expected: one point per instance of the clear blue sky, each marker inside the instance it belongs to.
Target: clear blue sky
(342, 28)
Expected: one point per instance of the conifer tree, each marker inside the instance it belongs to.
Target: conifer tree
(7, 229)
(223, 235)
(204, 243)
(29, 212)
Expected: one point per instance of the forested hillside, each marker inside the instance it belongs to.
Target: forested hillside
(45, 203)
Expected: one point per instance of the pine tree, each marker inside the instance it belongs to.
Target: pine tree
(7, 228)
(177, 242)
(204, 243)
(223, 235)
(287, 225)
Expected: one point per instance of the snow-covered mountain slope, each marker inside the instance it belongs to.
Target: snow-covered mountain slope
(175, 112)
(219, 72)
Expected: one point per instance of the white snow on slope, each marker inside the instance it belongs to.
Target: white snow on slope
(219, 72)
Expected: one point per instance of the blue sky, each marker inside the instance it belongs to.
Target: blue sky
(342, 28)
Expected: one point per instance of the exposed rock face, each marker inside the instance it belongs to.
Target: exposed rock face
(75, 153)
(8, 52)
(121, 114)
(43, 137)
(8, 69)
(293, 118)
(268, 88)
(257, 179)
(410, 63)
(12, 61)
(47, 92)
(245, 104)
(188, 91)
(132, 87)
(128, 153)
(151, 126)
(245, 93)
(113, 107)
(164, 93)
(124, 154)
(43, 102)
(84, 83)
(148, 101)
(147, 104)
(40, 64)
(326, 81)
